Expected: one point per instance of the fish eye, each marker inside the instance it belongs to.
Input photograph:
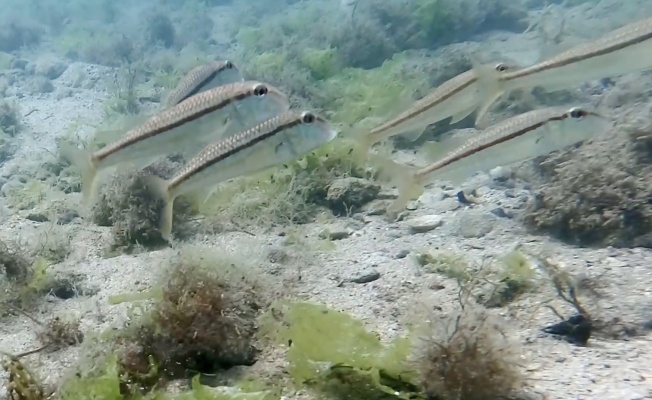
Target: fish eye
(576, 112)
(228, 65)
(307, 117)
(501, 67)
(260, 90)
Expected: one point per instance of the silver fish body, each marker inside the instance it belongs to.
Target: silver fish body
(186, 127)
(457, 98)
(520, 138)
(624, 50)
(280, 139)
(204, 77)
(513, 140)
(194, 122)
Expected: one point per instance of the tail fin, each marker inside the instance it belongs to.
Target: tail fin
(362, 144)
(403, 176)
(490, 89)
(83, 160)
(159, 189)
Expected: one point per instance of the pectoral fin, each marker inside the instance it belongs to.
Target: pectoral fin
(460, 116)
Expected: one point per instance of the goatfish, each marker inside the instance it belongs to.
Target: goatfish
(188, 126)
(624, 50)
(456, 98)
(204, 77)
(520, 138)
(198, 79)
(278, 140)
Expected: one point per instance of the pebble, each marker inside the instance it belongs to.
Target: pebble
(402, 254)
(616, 263)
(335, 232)
(475, 224)
(424, 223)
(365, 276)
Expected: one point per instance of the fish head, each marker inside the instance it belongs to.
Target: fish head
(228, 72)
(586, 122)
(502, 67)
(259, 102)
(307, 131)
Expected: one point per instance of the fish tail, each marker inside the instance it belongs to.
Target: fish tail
(362, 144)
(490, 89)
(403, 177)
(158, 188)
(83, 160)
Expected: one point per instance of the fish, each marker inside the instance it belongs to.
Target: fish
(189, 125)
(202, 78)
(520, 138)
(624, 50)
(278, 140)
(456, 98)
(198, 79)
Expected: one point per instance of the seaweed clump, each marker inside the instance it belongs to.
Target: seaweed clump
(467, 356)
(203, 321)
(9, 118)
(589, 201)
(463, 356)
(126, 204)
(334, 354)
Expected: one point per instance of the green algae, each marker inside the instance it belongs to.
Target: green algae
(333, 353)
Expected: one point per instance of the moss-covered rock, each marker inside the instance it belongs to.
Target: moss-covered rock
(599, 195)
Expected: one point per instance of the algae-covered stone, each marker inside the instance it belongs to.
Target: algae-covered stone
(350, 193)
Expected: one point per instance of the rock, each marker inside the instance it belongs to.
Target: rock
(501, 213)
(446, 205)
(500, 173)
(350, 193)
(37, 217)
(18, 63)
(402, 254)
(425, 223)
(50, 67)
(40, 84)
(67, 217)
(475, 224)
(277, 256)
(335, 232)
(365, 276)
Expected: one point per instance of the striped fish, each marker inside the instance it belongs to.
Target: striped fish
(191, 124)
(513, 140)
(281, 139)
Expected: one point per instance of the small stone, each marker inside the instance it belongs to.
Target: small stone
(277, 255)
(402, 253)
(616, 263)
(425, 223)
(18, 63)
(501, 213)
(67, 217)
(37, 217)
(475, 224)
(446, 205)
(335, 233)
(499, 173)
(366, 276)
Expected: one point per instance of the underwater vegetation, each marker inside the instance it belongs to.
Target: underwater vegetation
(463, 354)
(199, 319)
(126, 204)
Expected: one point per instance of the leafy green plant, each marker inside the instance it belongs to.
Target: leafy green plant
(333, 353)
